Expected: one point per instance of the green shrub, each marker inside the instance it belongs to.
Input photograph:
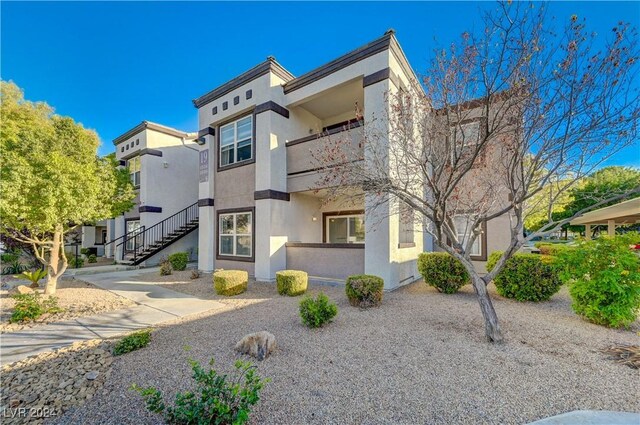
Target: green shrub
(552, 249)
(179, 260)
(291, 282)
(84, 251)
(133, 341)
(604, 278)
(31, 306)
(230, 282)
(525, 277)
(74, 263)
(364, 290)
(630, 238)
(442, 271)
(33, 277)
(92, 258)
(14, 267)
(316, 312)
(165, 267)
(217, 399)
(9, 257)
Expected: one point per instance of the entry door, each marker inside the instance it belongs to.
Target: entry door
(132, 225)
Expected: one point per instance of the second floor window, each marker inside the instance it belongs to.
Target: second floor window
(236, 141)
(134, 170)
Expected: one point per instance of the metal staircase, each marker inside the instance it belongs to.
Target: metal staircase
(143, 243)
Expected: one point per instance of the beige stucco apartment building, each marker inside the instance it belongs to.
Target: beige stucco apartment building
(163, 167)
(260, 209)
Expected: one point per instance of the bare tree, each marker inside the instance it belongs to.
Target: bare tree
(501, 115)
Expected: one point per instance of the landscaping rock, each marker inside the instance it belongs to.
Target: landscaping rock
(21, 289)
(92, 375)
(258, 345)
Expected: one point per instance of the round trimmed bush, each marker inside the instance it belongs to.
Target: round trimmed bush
(525, 277)
(230, 282)
(291, 282)
(364, 290)
(443, 272)
(179, 260)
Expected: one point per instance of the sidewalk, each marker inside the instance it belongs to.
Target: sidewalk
(155, 305)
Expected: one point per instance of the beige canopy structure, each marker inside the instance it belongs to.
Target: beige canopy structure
(624, 213)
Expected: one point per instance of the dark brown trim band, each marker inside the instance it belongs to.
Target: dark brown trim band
(350, 126)
(149, 125)
(149, 209)
(381, 75)
(145, 151)
(272, 106)
(324, 245)
(343, 61)
(270, 65)
(206, 202)
(207, 132)
(271, 194)
(251, 259)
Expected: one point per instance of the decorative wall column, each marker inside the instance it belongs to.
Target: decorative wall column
(207, 232)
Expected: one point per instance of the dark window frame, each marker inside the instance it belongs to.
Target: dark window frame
(219, 256)
(234, 118)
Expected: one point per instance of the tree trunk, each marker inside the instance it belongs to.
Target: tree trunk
(54, 268)
(491, 325)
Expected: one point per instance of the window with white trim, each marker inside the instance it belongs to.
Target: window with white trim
(345, 228)
(133, 165)
(463, 233)
(406, 231)
(235, 237)
(236, 141)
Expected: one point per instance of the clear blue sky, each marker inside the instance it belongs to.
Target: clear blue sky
(112, 65)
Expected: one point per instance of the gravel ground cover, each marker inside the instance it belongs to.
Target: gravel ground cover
(419, 358)
(75, 297)
(46, 385)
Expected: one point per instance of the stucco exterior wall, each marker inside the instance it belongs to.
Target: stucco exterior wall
(332, 263)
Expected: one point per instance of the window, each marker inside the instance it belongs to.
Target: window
(344, 228)
(134, 170)
(406, 226)
(236, 140)
(235, 234)
(134, 237)
(463, 230)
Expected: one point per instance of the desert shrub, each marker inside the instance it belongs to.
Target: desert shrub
(525, 277)
(92, 258)
(165, 267)
(13, 267)
(291, 282)
(217, 399)
(84, 251)
(316, 312)
(73, 261)
(133, 341)
(31, 306)
(364, 290)
(442, 271)
(33, 276)
(179, 260)
(195, 274)
(230, 282)
(604, 279)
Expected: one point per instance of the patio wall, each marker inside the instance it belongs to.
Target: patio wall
(332, 261)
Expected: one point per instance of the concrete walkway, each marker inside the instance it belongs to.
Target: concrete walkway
(155, 305)
(591, 417)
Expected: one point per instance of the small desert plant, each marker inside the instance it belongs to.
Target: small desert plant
(33, 276)
(133, 341)
(230, 282)
(74, 262)
(217, 399)
(443, 272)
(31, 306)
(364, 290)
(604, 279)
(625, 354)
(316, 312)
(291, 282)
(92, 258)
(165, 267)
(13, 267)
(84, 251)
(525, 277)
(195, 274)
(179, 260)
(9, 257)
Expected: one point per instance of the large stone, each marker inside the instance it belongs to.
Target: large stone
(258, 344)
(21, 289)
(92, 375)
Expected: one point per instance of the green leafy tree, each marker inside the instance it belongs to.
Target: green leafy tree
(52, 179)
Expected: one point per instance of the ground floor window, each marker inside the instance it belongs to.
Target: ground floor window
(344, 228)
(463, 233)
(235, 234)
(132, 227)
